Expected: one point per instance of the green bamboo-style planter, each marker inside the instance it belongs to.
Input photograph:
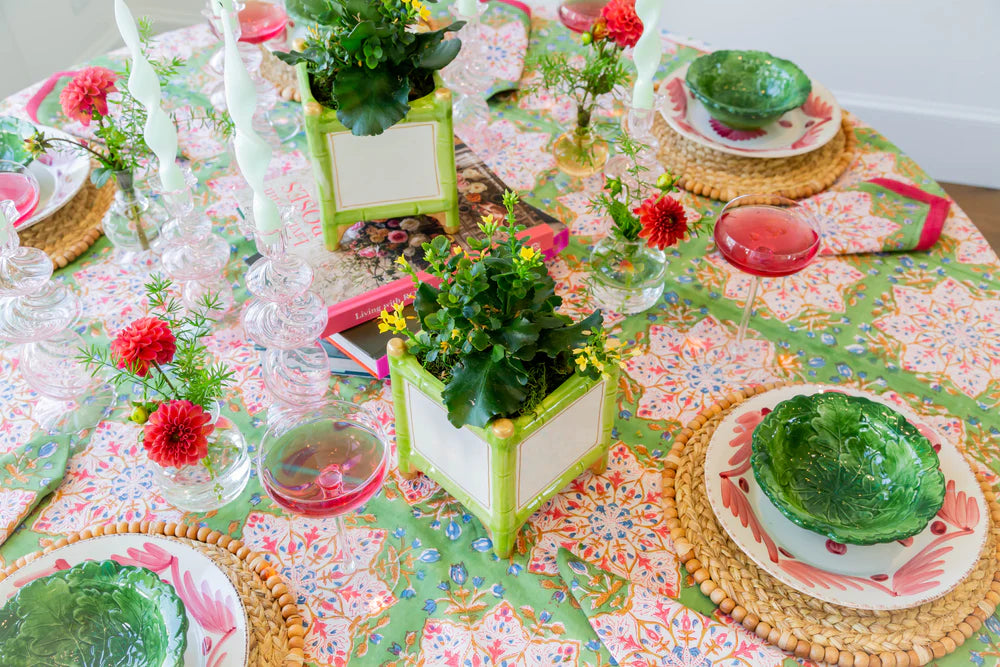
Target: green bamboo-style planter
(504, 472)
(407, 170)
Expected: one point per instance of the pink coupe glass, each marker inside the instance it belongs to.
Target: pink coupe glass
(579, 15)
(765, 235)
(19, 186)
(324, 462)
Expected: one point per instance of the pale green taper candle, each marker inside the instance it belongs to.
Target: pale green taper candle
(467, 7)
(647, 52)
(252, 153)
(159, 133)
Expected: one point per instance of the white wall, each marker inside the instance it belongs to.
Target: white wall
(926, 73)
(38, 37)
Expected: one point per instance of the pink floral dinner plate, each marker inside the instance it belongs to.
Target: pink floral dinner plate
(60, 174)
(881, 576)
(217, 631)
(798, 131)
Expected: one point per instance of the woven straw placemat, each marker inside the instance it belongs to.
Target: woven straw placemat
(711, 173)
(275, 625)
(70, 231)
(796, 622)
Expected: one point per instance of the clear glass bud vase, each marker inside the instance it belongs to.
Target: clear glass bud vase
(626, 276)
(129, 225)
(580, 152)
(214, 481)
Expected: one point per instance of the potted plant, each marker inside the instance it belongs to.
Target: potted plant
(580, 151)
(377, 117)
(499, 398)
(628, 266)
(198, 457)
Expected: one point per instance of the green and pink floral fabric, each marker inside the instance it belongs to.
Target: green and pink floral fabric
(922, 325)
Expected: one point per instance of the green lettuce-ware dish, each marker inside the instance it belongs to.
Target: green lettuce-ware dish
(747, 89)
(846, 467)
(95, 614)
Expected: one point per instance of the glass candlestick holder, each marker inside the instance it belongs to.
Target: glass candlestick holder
(638, 124)
(286, 317)
(468, 75)
(38, 314)
(193, 256)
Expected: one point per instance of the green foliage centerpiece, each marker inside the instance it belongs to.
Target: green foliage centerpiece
(499, 397)
(370, 69)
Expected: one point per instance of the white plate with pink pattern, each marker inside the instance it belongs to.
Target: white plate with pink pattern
(798, 131)
(880, 576)
(217, 629)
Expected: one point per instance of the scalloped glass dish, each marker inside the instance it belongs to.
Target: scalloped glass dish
(95, 613)
(848, 468)
(747, 89)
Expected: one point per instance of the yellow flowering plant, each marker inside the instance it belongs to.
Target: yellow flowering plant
(490, 330)
(368, 58)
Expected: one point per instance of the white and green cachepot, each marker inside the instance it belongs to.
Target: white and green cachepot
(504, 472)
(407, 170)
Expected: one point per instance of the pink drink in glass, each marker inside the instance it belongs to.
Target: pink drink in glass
(766, 240)
(579, 15)
(324, 469)
(22, 189)
(261, 21)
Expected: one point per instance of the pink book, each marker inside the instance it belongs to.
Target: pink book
(361, 278)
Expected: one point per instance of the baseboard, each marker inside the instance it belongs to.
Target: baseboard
(954, 143)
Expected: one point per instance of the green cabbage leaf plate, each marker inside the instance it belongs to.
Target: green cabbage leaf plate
(846, 467)
(95, 614)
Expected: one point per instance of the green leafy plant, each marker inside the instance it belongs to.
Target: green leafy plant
(93, 614)
(367, 59)
(490, 330)
(13, 133)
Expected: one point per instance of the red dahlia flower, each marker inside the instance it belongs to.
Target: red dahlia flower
(145, 341)
(177, 434)
(664, 222)
(88, 92)
(624, 25)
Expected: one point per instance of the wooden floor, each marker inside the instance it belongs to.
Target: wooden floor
(982, 205)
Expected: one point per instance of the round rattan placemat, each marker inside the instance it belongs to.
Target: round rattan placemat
(276, 629)
(792, 620)
(711, 173)
(70, 231)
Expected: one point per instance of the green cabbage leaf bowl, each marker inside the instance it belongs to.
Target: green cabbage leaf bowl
(747, 89)
(846, 467)
(94, 614)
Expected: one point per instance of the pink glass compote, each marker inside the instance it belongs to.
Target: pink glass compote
(20, 187)
(325, 462)
(765, 235)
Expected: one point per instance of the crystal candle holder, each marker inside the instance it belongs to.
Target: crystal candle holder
(286, 317)
(38, 314)
(468, 75)
(193, 256)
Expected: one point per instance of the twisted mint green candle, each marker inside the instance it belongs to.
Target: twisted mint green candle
(252, 153)
(159, 132)
(647, 52)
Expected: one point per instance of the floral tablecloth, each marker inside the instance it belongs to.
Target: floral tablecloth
(924, 326)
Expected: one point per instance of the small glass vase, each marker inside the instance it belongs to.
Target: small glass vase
(580, 152)
(200, 487)
(626, 276)
(129, 225)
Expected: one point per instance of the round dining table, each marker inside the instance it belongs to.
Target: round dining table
(922, 328)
